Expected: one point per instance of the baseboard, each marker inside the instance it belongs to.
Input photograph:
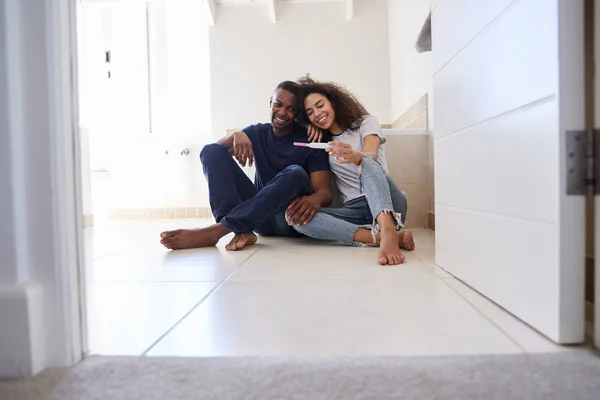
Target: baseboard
(431, 220)
(88, 221)
(589, 319)
(160, 213)
(589, 279)
(22, 341)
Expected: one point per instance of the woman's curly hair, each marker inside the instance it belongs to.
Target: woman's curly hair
(349, 112)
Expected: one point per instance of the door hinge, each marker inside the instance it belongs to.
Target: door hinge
(583, 170)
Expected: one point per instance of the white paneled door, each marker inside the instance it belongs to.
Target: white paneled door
(508, 85)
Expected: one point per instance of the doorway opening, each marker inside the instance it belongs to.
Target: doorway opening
(147, 113)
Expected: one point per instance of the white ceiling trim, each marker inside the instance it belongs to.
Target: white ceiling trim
(349, 9)
(230, 3)
(272, 6)
(212, 11)
(272, 12)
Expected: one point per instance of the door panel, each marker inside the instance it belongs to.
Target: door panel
(503, 104)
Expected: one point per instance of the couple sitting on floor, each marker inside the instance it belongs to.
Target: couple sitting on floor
(292, 189)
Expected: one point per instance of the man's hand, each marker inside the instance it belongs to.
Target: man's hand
(314, 133)
(242, 149)
(344, 154)
(302, 210)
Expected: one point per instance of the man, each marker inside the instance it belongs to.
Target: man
(284, 173)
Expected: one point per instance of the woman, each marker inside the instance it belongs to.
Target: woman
(374, 209)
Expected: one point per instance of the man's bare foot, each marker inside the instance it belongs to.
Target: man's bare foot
(406, 240)
(389, 249)
(241, 240)
(193, 238)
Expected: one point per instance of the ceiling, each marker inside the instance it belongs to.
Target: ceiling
(235, 2)
(272, 6)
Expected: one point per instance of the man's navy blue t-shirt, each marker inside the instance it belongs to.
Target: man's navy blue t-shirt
(272, 154)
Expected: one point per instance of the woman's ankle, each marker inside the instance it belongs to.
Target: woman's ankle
(363, 235)
(386, 221)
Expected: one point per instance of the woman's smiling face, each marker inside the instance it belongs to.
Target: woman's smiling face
(319, 111)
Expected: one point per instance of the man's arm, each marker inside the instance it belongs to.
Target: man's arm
(321, 182)
(238, 144)
(302, 210)
(227, 141)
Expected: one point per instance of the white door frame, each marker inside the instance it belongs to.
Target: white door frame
(597, 198)
(64, 117)
(69, 282)
(42, 300)
(61, 43)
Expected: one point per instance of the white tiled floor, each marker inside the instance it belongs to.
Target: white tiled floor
(282, 297)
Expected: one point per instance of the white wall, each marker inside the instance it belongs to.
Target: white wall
(411, 72)
(233, 89)
(250, 56)
(181, 71)
(141, 173)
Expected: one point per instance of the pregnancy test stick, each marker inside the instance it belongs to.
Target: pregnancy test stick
(322, 146)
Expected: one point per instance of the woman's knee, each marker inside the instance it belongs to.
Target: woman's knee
(371, 167)
(304, 229)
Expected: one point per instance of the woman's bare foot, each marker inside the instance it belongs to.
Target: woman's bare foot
(405, 238)
(406, 241)
(389, 249)
(193, 238)
(241, 240)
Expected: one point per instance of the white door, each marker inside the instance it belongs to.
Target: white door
(508, 85)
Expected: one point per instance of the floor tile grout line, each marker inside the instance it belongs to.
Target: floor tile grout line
(427, 268)
(430, 267)
(433, 266)
(257, 249)
(217, 287)
(427, 274)
(139, 281)
(112, 253)
(296, 280)
(486, 317)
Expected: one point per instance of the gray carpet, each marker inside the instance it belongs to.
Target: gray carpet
(571, 375)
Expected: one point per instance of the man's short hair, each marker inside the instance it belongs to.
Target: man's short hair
(288, 86)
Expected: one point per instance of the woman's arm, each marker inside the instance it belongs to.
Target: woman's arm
(371, 145)
(345, 154)
(371, 136)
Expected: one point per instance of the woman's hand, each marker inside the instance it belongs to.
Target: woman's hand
(314, 133)
(344, 154)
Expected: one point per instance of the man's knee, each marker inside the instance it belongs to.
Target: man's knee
(297, 172)
(210, 151)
